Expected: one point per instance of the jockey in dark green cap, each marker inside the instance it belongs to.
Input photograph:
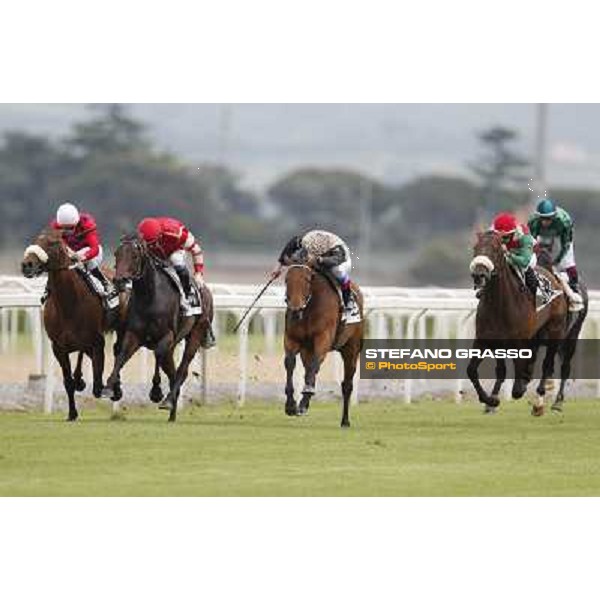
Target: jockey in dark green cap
(548, 223)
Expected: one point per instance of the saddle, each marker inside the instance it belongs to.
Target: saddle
(110, 297)
(353, 315)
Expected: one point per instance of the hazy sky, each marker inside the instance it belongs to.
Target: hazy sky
(392, 141)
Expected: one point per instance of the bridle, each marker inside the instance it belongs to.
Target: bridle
(141, 254)
(299, 310)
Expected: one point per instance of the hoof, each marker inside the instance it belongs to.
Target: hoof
(291, 410)
(557, 406)
(156, 395)
(493, 402)
(97, 391)
(537, 411)
(80, 385)
(490, 410)
(165, 405)
(72, 418)
(345, 424)
(107, 392)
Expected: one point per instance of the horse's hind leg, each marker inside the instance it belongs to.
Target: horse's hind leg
(567, 353)
(350, 354)
(65, 364)
(156, 393)
(78, 375)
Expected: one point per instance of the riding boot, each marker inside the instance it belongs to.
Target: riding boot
(576, 303)
(99, 275)
(347, 298)
(531, 281)
(186, 282)
(573, 279)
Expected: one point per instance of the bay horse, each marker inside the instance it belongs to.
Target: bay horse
(311, 329)
(567, 347)
(153, 319)
(74, 317)
(507, 313)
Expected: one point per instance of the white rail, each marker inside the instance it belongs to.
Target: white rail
(390, 312)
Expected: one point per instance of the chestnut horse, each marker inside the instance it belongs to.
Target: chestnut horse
(507, 313)
(74, 317)
(311, 329)
(153, 319)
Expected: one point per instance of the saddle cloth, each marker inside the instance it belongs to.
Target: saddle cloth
(110, 297)
(190, 306)
(546, 292)
(353, 313)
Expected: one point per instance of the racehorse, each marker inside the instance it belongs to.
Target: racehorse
(312, 329)
(507, 314)
(154, 320)
(74, 317)
(567, 347)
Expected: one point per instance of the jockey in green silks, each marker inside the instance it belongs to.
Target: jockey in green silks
(549, 223)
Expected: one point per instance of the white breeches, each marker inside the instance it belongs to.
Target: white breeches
(568, 260)
(342, 272)
(178, 259)
(95, 262)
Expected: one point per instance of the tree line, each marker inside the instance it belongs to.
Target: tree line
(109, 165)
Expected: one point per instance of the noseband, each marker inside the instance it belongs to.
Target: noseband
(309, 297)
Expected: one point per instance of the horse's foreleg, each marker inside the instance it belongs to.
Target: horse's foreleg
(98, 366)
(473, 374)
(547, 367)
(290, 364)
(350, 354)
(129, 344)
(191, 347)
(311, 363)
(156, 393)
(500, 378)
(164, 356)
(65, 364)
(77, 375)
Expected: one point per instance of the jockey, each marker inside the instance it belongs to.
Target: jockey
(325, 250)
(518, 243)
(549, 222)
(80, 233)
(169, 239)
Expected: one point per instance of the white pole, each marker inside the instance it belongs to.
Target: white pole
(539, 175)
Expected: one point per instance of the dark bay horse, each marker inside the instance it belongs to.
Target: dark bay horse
(568, 345)
(153, 319)
(311, 329)
(507, 314)
(74, 317)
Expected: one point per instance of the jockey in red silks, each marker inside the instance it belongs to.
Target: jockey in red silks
(80, 233)
(169, 239)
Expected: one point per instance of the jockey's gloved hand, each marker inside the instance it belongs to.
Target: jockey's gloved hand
(276, 272)
(313, 261)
